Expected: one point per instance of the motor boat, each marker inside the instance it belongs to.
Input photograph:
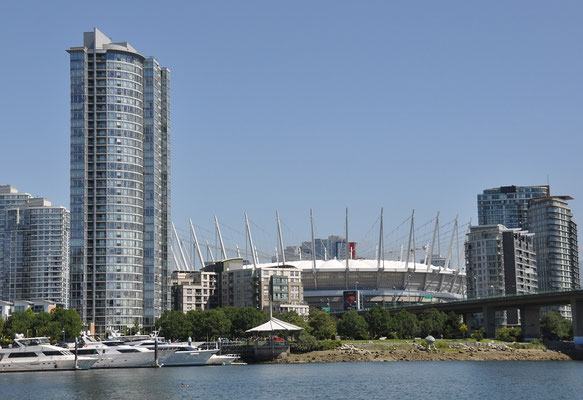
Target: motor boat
(217, 359)
(38, 354)
(181, 354)
(117, 354)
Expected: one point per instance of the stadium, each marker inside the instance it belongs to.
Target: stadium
(391, 282)
(332, 282)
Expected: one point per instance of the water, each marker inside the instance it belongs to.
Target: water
(392, 380)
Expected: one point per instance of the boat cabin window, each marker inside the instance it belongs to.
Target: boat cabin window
(113, 344)
(85, 352)
(22, 355)
(33, 341)
(128, 350)
(186, 348)
(54, 353)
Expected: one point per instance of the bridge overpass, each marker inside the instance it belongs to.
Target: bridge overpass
(528, 304)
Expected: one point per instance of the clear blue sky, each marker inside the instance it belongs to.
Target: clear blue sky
(322, 104)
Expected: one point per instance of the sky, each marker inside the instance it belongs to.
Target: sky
(295, 105)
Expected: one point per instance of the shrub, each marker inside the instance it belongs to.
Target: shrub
(478, 334)
(304, 343)
(329, 344)
(509, 334)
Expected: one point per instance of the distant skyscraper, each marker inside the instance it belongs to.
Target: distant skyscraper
(551, 219)
(328, 249)
(507, 205)
(120, 184)
(35, 248)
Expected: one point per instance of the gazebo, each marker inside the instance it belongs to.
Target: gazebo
(268, 350)
(273, 325)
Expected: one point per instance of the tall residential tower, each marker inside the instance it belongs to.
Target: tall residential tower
(551, 220)
(120, 184)
(34, 248)
(507, 205)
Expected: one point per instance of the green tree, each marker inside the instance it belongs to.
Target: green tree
(352, 326)
(19, 322)
(42, 326)
(209, 324)
(65, 320)
(432, 322)
(453, 327)
(242, 319)
(405, 325)
(553, 324)
(379, 321)
(322, 324)
(174, 325)
(294, 318)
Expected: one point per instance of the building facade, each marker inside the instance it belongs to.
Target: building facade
(193, 290)
(500, 261)
(35, 249)
(507, 205)
(9, 198)
(120, 184)
(551, 219)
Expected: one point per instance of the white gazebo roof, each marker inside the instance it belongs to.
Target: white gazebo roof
(275, 324)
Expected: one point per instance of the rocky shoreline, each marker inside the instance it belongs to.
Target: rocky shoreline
(416, 352)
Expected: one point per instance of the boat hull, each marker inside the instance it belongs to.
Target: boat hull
(46, 365)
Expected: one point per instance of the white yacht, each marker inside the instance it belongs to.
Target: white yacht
(180, 354)
(37, 354)
(117, 354)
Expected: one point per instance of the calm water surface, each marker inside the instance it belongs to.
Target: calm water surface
(393, 380)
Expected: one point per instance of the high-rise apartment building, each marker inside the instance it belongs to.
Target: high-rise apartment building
(507, 205)
(500, 261)
(120, 184)
(551, 219)
(34, 238)
(9, 198)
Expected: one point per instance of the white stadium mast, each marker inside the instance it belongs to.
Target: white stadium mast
(223, 251)
(314, 273)
(195, 239)
(280, 238)
(253, 253)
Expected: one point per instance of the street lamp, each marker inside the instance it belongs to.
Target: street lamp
(63, 332)
(357, 296)
(409, 288)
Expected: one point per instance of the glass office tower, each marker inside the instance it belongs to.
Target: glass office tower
(120, 178)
